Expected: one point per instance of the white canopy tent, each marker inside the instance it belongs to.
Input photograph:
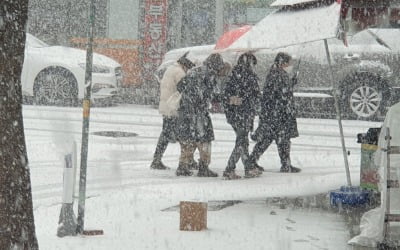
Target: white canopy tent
(292, 27)
(290, 2)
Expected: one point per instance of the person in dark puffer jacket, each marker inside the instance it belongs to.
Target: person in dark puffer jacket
(195, 128)
(278, 114)
(241, 97)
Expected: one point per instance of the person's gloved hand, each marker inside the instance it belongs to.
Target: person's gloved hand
(294, 80)
(235, 100)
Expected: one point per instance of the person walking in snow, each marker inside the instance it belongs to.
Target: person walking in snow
(241, 97)
(216, 103)
(169, 100)
(278, 117)
(194, 122)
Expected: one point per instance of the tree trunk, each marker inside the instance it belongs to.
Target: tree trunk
(17, 229)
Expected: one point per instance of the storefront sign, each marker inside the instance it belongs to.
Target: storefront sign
(155, 35)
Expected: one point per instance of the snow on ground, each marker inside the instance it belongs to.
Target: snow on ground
(126, 198)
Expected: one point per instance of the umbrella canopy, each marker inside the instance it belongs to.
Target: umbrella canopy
(231, 36)
(290, 2)
(291, 26)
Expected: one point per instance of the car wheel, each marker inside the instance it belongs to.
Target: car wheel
(55, 86)
(365, 96)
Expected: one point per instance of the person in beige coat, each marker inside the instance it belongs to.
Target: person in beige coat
(168, 108)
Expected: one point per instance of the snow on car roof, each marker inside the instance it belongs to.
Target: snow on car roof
(34, 41)
(195, 53)
(389, 36)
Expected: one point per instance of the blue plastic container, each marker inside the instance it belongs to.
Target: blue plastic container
(349, 195)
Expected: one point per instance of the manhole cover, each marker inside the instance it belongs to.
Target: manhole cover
(115, 134)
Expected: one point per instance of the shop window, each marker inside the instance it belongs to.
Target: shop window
(198, 22)
(395, 17)
(241, 13)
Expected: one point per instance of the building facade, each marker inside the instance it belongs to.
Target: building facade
(137, 33)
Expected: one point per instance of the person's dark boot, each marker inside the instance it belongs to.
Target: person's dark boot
(289, 169)
(251, 163)
(230, 175)
(183, 170)
(193, 165)
(157, 164)
(204, 171)
(259, 167)
(251, 173)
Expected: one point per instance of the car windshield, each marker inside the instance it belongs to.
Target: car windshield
(360, 38)
(34, 41)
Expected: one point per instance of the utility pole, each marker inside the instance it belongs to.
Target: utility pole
(85, 124)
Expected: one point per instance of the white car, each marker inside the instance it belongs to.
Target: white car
(55, 75)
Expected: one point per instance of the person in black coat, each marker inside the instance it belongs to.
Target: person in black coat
(278, 115)
(195, 128)
(240, 99)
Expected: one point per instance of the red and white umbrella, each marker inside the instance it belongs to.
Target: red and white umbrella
(231, 36)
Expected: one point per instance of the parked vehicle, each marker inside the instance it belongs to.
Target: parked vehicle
(55, 75)
(366, 72)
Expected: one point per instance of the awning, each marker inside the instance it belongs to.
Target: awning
(290, 27)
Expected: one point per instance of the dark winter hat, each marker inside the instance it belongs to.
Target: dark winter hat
(186, 62)
(247, 59)
(214, 62)
(282, 58)
(226, 69)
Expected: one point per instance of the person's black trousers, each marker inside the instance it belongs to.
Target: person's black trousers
(241, 149)
(283, 150)
(167, 135)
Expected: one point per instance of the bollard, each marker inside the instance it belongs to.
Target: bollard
(193, 216)
(67, 221)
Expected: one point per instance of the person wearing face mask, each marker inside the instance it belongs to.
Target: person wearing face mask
(278, 116)
(240, 99)
(216, 102)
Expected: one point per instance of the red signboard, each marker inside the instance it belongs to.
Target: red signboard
(155, 35)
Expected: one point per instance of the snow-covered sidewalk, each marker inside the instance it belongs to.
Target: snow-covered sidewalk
(127, 199)
(133, 219)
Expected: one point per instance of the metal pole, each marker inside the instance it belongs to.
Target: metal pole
(388, 178)
(338, 113)
(219, 18)
(178, 29)
(85, 123)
